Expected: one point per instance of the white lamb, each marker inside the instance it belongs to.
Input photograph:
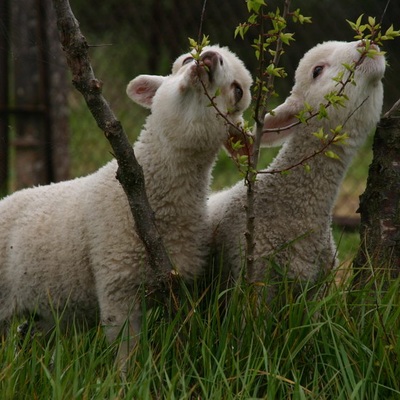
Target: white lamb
(72, 246)
(293, 212)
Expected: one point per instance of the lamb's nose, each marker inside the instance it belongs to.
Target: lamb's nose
(211, 59)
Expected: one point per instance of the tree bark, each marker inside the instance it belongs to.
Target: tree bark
(380, 207)
(129, 172)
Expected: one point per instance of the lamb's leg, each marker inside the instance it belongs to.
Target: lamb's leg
(7, 306)
(122, 323)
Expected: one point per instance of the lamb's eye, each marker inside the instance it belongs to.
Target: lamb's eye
(238, 91)
(187, 60)
(317, 71)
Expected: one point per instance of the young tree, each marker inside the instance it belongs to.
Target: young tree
(268, 49)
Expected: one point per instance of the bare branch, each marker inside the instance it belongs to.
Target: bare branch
(395, 108)
(129, 172)
(315, 153)
(203, 13)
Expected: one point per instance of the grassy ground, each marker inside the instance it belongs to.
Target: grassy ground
(338, 344)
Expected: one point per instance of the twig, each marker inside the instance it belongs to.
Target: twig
(315, 153)
(384, 11)
(251, 175)
(129, 172)
(203, 12)
(394, 109)
(241, 132)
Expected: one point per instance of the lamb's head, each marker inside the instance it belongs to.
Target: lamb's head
(179, 102)
(217, 70)
(315, 78)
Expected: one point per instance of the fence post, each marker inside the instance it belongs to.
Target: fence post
(41, 123)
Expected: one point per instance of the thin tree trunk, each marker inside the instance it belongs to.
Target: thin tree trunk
(130, 173)
(380, 207)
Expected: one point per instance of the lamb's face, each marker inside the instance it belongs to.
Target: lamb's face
(179, 106)
(315, 79)
(218, 70)
(315, 73)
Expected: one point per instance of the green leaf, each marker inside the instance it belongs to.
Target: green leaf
(192, 43)
(337, 130)
(359, 19)
(237, 145)
(322, 112)
(286, 38)
(371, 21)
(241, 30)
(320, 134)
(255, 5)
(340, 139)
(297, 17)
(332, 154)
(205, 41)
(349, 67)
(252, 19)
(308, 107)
(338, 78)
(352, 25)
(243, 160)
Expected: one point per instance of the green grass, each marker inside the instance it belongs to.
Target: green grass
(338, 344)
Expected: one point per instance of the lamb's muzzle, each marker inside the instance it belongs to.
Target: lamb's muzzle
(211, 60)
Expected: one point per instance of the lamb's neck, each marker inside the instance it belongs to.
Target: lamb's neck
(175, 176)
(320, 182)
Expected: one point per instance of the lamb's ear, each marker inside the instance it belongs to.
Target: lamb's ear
(282, 116)
(143, 88)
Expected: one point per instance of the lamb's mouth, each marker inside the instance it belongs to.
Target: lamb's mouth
(203, 70)
(209, 62)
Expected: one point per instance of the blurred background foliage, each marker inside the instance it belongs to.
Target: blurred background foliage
(145, 36)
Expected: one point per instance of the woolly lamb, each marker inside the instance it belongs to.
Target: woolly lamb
(72, 246)
(293, 212)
